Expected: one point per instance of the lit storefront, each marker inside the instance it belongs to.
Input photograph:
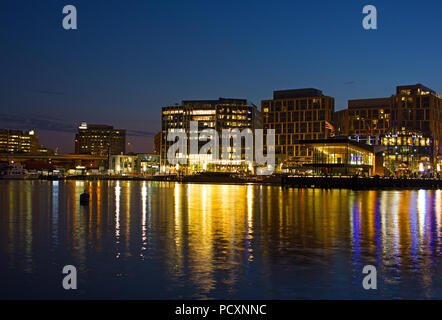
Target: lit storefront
(408, 153)
(134, 164)
(340, 157)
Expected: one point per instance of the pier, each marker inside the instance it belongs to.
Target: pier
(360, 183)
(286, 181)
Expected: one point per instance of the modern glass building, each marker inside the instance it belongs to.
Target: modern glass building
(221, 114)
(141, 163)
(340, 156)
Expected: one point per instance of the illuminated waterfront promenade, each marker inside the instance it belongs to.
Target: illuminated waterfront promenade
(140, 239)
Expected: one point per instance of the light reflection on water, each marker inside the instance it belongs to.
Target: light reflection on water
(166, 240)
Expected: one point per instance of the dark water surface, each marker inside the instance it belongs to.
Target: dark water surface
(155, 240)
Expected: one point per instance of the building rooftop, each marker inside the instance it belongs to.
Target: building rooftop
(369, 103)
(215, 102)
(412, 87)
(85, 126)
(297, 93)
(338, 141)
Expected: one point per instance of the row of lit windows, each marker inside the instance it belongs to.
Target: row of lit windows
(207, 117)
(234, 117)
(203, 112)
(202, 124)
(102, 136)
(234, 111)
(341, 155)
(413, 160)
(362, 114)
(13, 143)
(406, 141)
(6, 138)
(212, 111)
(175, 111)
(296, 104)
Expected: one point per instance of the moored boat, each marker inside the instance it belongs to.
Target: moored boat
(15, 171)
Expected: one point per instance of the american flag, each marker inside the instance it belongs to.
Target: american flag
(329, 126)
(369, 128)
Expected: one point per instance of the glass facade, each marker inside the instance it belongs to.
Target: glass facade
(338, 154)
(408, 152)
(218, 115)
(340, 157)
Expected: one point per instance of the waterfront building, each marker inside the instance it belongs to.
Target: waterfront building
(141, 163)
(148, 163)
(365, 119)
(414, 110)
(340, 156)
(122, 163)
(221, 114)
(299, 114)
(98, 139)
(18, 141)
(408, 153)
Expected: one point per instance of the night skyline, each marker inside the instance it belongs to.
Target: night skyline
(126, 61)
(207, 159)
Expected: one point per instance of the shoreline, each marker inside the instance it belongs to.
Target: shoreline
(285, 181)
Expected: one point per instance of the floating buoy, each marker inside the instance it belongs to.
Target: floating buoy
(84, 199)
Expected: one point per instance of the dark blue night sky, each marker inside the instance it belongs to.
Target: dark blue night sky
(129, 58)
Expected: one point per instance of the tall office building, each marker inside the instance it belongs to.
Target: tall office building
(98, 139)
(220, 114)
(299, 114)
(416, 117)
(417, 107)
(17, 141)
(413, 107)
(365, 119)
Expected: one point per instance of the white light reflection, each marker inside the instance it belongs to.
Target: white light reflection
(55, 194)
(421, 212)
(438, 212)
(250, 222)
(383, 214)
(144, 215)
(395, 214)
(117, 213)
(178, 206)
(250, 207)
